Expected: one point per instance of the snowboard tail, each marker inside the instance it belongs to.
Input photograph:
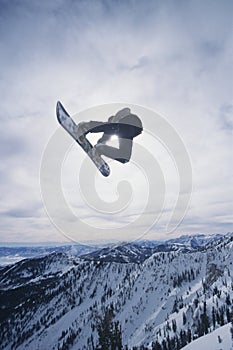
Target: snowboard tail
(71, 127)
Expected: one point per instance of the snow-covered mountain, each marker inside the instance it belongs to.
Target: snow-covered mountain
(188, 241)
(158, 296)
(195, 241)
(12, 253)
(139, 251)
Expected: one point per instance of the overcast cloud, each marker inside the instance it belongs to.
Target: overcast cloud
(174, 57)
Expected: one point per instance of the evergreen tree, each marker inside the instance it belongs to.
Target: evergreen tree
(196, 301)
(172, 343)
(175, 306)
(174, 326)
(189, 335)
(222, 317)
(205, 320)
(164, 345)
(228, 314)
(183, 338)
(109, 332)
(184, 319)
(228, 299)
(156, 346)
(213, 317)
(117, 337)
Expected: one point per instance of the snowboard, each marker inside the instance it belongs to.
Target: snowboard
(71, 127)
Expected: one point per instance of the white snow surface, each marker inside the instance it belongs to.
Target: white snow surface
(219, 339)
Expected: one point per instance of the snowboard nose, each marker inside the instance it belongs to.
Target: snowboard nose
(61, 112)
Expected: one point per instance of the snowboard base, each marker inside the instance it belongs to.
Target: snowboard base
(71, 127)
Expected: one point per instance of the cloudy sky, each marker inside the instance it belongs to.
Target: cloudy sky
(173, 57)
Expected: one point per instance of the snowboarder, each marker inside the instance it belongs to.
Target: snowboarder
(124, 124)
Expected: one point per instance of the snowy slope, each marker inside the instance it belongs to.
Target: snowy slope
(53, 302)
(218, 339)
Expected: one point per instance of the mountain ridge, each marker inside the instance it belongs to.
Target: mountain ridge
(12, 254)
(55, 301)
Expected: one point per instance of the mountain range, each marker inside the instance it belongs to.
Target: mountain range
(138, 295)
(14, 252)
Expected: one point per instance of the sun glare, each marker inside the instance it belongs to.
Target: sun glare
(114, 138)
